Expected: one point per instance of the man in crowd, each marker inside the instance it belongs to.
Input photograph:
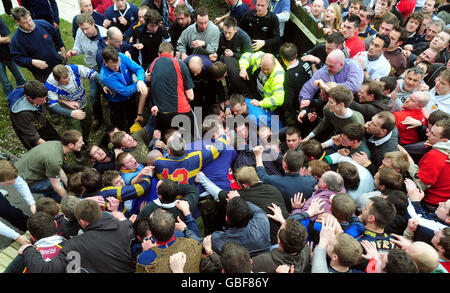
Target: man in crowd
(30, 49)
(41, 166)
(28, 116)
(202, 37)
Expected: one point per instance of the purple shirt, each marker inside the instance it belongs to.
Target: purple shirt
(350, 76)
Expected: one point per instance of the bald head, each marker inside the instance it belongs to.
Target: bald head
(152, 156)
(332, 181)
(114, 36)
(416, 100)
(195, 65)
(423, 98)
(425, 256)
(335, 61)
(267, 63)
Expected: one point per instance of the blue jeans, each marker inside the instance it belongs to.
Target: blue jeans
(45, 188)
(16, 72)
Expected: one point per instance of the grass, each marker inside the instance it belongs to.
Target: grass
(215, 8)
(8, 138)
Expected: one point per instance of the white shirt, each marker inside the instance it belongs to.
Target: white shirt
(377, 68)
(438, 102)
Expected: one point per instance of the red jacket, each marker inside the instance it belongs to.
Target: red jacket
(434, 171)
(101, 5)
(408, 136)
(406, 7)
(354, 45)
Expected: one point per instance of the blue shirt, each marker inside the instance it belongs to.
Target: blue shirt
(184, 169)
(259, 115)
(121, 82)
(289, 184)
(128, 175)
(217, 170)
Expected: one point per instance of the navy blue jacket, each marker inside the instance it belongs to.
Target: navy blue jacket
(238, 10)
(246, 157)
(102, 45)
(131, 15)
(42, 9)
(428, 222)
(255, 236)
(289, 184)
(39, 44)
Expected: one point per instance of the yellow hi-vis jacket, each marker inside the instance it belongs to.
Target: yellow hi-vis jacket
(273, 88)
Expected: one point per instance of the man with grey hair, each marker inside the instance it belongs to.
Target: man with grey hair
(411, 82)
(330, 183)
(69, 226)
(435, 27)
(86, 7)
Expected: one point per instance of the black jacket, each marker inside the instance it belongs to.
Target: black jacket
(368, 110)
(104, 247)
(262, 28)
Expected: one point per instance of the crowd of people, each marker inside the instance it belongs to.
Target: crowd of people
(225, 148)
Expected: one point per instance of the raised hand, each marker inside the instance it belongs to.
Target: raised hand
(277, 215)
(297, 202)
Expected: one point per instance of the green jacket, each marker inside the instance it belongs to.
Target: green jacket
(273, 88)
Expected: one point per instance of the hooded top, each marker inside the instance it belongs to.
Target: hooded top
(368, 110)
(26, 119)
